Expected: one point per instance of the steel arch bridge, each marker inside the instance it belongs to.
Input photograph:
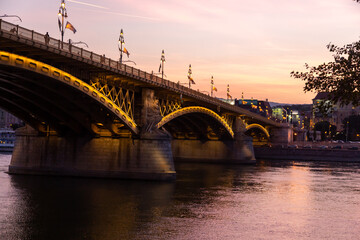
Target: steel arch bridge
(81, 91)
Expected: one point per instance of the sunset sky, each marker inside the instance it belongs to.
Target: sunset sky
(251, 45)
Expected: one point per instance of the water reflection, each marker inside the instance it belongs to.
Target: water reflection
(73, 208)
(272, 200)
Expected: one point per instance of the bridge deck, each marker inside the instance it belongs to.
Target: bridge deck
(16, 39)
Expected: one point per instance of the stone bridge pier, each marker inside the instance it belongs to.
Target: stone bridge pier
(238, 150)
(283, 135)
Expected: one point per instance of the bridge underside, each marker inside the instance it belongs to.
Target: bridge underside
(49, 105)
(196, 126)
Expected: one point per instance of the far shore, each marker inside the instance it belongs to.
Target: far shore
(310, 151)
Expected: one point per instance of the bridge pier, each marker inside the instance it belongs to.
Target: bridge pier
(148, 157)
(238, 150)
(283, 135)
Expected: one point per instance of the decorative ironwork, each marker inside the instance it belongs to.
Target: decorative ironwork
(168, 106)
(123, 98)
(229, 119)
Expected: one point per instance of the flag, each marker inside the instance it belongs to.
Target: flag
(191, 80)
(215, 89)
(126, 52)
(229, 96)
(59, 25)
(70, 26)
(160, 67)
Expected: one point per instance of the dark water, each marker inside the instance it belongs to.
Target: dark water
(282, 200)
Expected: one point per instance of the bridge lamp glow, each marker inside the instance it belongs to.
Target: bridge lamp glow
(63, 14)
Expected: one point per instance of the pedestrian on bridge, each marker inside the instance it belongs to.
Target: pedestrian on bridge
(47, 38)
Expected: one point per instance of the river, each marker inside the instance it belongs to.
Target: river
(272, 200)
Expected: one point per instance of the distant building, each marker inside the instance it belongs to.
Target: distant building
(298, 115)
(7, 120)
(262, 108)
(326, 110)
(280, 114)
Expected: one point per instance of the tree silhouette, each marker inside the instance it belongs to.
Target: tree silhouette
(340, 78)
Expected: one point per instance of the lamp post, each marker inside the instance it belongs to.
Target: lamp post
(162, 59)
(121, 43)
(212, 85)
(228, 92)
(63, 14)
(189, 75)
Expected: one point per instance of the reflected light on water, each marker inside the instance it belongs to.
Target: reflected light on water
(272, 200)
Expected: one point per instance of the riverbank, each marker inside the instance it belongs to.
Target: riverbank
(293, 152)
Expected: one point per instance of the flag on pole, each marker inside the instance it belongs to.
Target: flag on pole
(160, 67)
(70, 26)
(191, 80)
(126, 52)
(214, 88)
(59, 25)
(229, 96)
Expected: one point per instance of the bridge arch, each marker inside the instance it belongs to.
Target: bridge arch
(196, 110)
(258, 126)
(39, 68)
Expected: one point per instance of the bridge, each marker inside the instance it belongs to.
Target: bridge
(88, 115)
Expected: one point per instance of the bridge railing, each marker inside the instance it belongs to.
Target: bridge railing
(66, 47)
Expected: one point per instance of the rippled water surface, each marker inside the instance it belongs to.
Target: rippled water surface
(272, 200)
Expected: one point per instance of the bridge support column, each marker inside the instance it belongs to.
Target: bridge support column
(282, 135)
(239, 150)
(143, 158)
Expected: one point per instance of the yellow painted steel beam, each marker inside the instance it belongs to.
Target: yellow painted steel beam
(195, 109)
(255, 125)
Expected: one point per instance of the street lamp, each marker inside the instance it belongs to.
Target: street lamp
(162, 59)
(228, 96)
(212, 85)
(122, 48)
(73, 43)
(121, 43)
(191, 80)
(63, 14)
(5, 15)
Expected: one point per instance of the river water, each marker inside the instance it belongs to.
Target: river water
(272, 200)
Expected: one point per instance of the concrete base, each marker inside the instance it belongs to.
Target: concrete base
(240, 151)
(149, 157)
